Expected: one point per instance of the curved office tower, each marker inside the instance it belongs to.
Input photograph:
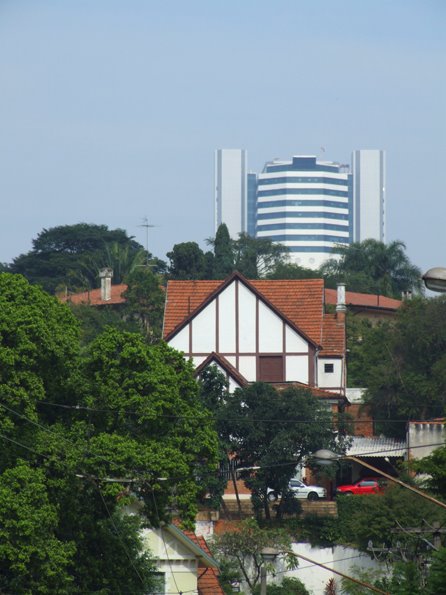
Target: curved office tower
(305, 204)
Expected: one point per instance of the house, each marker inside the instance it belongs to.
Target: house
(373, 307)
(273, 331)
(183, 560)
(106, 295)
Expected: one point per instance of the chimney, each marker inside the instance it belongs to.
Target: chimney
(341, 307)
(106, 276)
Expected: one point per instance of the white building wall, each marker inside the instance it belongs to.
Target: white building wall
(329, 379)
(270, 330)
(296, 368)
(247, 367)
(423, 438)
(231, 190)
(180, 341)
(203, 330)
(369, 179)
(246, 319)
(295, 342)
(226, 320)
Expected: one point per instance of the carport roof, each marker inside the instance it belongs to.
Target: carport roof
(379, 446)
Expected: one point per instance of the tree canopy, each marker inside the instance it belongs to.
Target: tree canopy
(71, 256)
(403, 365)
(374, 267)
(88, 431)
(274, 430)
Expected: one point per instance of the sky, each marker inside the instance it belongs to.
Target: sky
(111, 111)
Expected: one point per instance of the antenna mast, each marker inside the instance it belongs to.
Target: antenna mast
(146, 224)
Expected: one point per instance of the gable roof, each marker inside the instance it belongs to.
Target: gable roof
(299, 302)
(221, 361)
(93, 297)
(207, 576)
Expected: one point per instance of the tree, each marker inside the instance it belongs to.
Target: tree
(257, 257)
(187, 261)
(223, 253)
(275, 430)
(435, 466)
(149, 419)
(145, 301)
(406, 369)
(71, 255)
(88, 433)
(374, 267)
(289, 586)
(32, 558)
(290, 270)
(243, 548)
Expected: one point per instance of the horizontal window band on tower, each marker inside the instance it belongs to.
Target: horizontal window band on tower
(284, 226)
(305, 180)
(314, 249)
(300, 191)
(307, 238)
(301, 214)
(271, 168)
(302, 203)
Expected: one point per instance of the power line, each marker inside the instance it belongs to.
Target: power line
(212, 417)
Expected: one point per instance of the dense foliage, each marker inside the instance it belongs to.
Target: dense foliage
(84, 434)
(402, 364)
(70, 256)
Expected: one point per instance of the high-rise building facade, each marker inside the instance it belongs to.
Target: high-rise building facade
(369, 174)
(231, 190)
(305, 204)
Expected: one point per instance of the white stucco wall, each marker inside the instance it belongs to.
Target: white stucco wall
(297, 368)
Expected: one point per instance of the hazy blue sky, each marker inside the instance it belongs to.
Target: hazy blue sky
(111, 110)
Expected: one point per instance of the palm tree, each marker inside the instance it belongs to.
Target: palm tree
(372, 266)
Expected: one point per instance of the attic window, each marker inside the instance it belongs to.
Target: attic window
(329, 368)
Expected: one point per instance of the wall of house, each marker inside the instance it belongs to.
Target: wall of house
(332, 379)
(174, 560)
(424, 437)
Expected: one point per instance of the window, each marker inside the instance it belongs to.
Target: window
(271, 368)
(329, 368)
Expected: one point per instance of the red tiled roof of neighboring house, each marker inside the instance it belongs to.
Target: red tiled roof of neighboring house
(320, 393)
(207, 577)
(365, 300)
(301, 301)
(93, 297)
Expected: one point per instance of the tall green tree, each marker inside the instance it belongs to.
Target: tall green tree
(145, 301)
(223, 253)
(374, 267)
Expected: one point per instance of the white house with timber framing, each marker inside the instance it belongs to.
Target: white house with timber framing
(275, 331)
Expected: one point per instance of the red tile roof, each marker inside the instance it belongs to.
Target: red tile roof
(301, 301)
(207, 577)
(93, 297)
(365, 300)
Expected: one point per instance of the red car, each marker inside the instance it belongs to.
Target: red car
(366, 485)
